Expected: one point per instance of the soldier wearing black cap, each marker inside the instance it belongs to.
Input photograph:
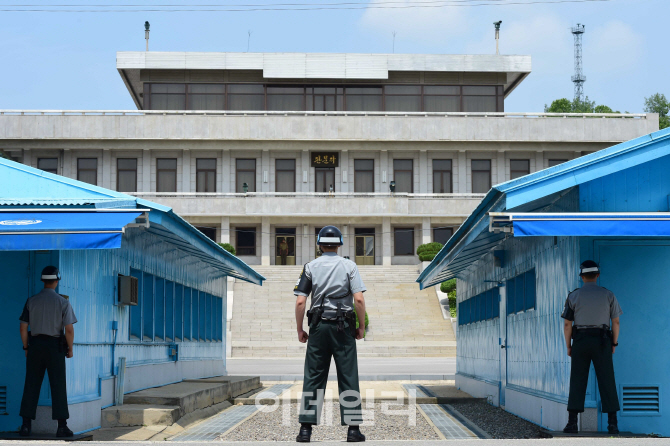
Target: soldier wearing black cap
(336, 288)
(591, 308)
(50, 317)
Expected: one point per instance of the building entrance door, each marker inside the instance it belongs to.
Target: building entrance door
(365, 249)
(325, 179)
(285, 247)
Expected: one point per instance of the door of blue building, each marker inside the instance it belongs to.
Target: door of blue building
(638, 273)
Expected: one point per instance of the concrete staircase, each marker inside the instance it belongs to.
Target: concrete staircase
(404, 321)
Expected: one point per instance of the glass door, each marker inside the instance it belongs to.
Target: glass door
(325, 179)
(285, 250)
(365, 249)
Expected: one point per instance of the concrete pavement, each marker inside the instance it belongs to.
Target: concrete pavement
(537, 442)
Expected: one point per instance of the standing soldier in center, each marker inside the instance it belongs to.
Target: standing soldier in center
(336, 288)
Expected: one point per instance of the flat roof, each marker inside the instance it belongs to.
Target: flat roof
(320, 65)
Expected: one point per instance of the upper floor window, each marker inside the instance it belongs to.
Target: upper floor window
(48, 164)
(245, 173)
(442, 182)
(553, 163)
(126, 174)
(403, 241)
(87, 170)
(285, 175)
(364, 175)
(361, 97)
(166, 175)
(403, 175)
(481, 176)
(205, 175)
(518, 168)
(441, 235)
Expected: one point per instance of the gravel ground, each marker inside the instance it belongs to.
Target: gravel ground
(268, 426)
(496, 422)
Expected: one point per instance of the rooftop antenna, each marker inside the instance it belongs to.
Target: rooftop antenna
(497, 25)
(579, 77)
(248, 39)
(146, 33)
(394, 33)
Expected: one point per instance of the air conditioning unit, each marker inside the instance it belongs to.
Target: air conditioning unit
(128, 290)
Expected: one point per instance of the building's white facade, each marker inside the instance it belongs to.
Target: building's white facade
(418, 120)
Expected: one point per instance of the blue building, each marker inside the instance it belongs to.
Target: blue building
(516, 259)
(94, 235)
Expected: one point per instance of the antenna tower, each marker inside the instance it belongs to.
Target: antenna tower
(578, 79)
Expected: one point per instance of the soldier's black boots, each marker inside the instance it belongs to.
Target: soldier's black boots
(25, 427)
(63, 430)
(305, 433)
(354, 435)
(571, 427)
(612, 424)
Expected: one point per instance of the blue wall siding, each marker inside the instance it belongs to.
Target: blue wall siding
(642, 188)
(90, 278)
(536, 354)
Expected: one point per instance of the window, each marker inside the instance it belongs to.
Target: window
(202, 311)
(179, 312)
(285, 175)
(188, 313)
(195, 315)
(441, 235)
(169, 310)
(521, 292)
(245, 173)
(126, 174)
(553, 163)
(246, 241)
(168, 97)
(324, 98)
(518, 168)
(159, 315)
(246, 97)
(481, 176)
(48, 164)
(286, 98)
(482, 307)
(87, 170)
(219, 319)
(479, 99)
(206, 96)
(148, 307)
(442, 182)
(136, 310)
(403, 98)
(442, 99)
(208, 231)
(403, 175)
(364, 175)
(166, 175)
(205, 175)
(364, 99)
(404, 241)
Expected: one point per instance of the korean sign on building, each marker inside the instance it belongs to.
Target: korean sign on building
(325, 159)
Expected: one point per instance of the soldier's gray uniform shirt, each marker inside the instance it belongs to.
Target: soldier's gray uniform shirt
(593, 306)
(332, 275)
(48, 313)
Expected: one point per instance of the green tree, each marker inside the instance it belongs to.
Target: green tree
(559, 106)
(228, 247)
(576, 106)
(658, 103)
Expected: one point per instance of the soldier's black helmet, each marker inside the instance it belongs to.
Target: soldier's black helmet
(50, 273)
(330, 236)
(589, 267)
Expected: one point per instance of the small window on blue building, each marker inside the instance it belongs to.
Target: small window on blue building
(178, 312)
(195, 314)
(489, 304)
(519, 289)
(202, 324)
(148, 307)
(169, 310)
(208, 317)
(136, 310)
(530, 290)
(496, 302)
(188, 313)
(481, 306)
(521, 293)
(219, 319)
(511, 296)
(159, 315)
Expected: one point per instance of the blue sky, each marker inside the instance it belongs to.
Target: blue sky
(67, 60)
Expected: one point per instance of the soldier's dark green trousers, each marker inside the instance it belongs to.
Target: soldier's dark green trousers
(587, 348)
(44, 354)
(325, 342)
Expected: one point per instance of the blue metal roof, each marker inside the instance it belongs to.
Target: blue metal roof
(531, 192)
(23, 186)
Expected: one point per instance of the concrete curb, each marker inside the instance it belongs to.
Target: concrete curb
(405, 400)
(298, 378)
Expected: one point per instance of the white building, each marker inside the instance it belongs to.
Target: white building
(318, 139)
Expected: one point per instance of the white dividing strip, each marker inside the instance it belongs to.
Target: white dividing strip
(329, 240)
(67, 211)
(60, 232)
(593, 269)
